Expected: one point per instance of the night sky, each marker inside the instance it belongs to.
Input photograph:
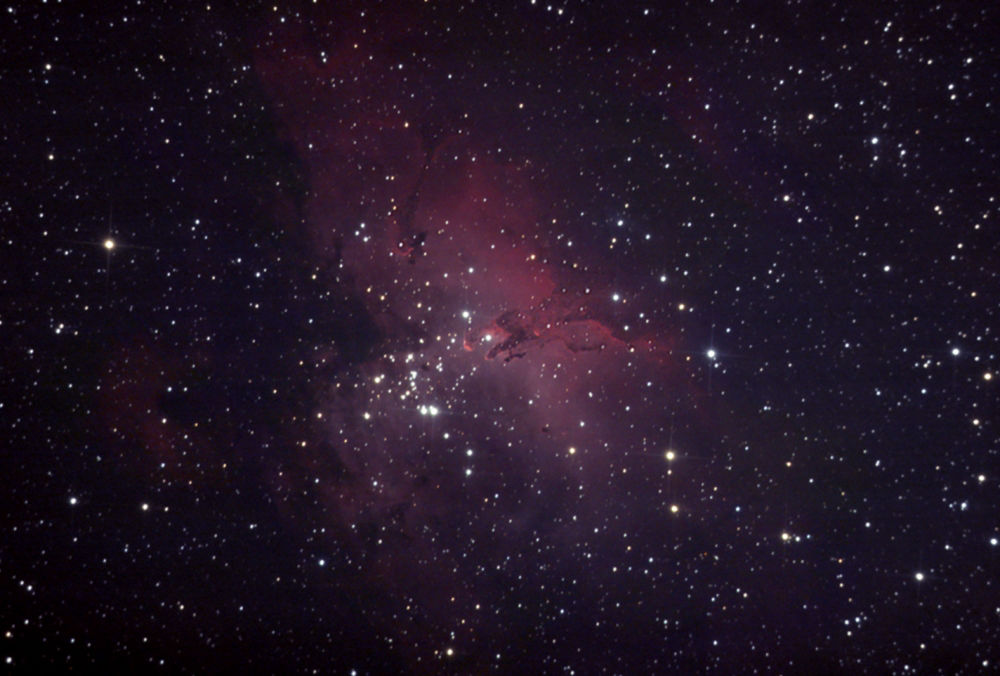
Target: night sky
(500, 337)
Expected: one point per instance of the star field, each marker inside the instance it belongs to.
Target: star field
(479, 337)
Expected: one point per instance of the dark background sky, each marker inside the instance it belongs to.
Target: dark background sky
(500, 338)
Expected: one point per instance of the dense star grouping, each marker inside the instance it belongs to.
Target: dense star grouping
(471, 337)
